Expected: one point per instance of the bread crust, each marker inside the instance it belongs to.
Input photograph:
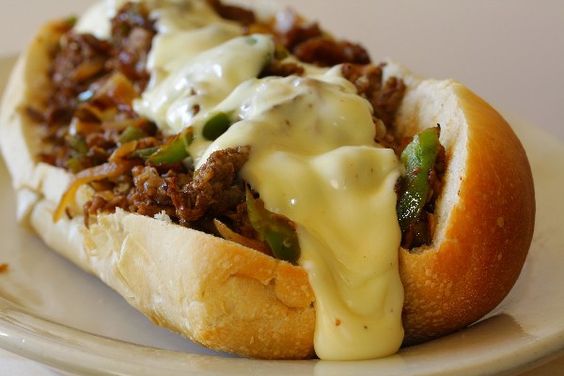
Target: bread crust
(235, 299)
(485, 216)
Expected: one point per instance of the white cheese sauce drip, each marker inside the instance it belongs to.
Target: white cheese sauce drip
(185, 30)
(201, 82)
(313, 160)
(96, 20)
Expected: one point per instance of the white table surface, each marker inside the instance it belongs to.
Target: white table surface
(509, 51)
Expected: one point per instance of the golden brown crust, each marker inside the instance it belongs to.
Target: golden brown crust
(219, 293)
(476, 260)
(235, 299)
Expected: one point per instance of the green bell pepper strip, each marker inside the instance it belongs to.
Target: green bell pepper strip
(145, 153)
(74, 164)
(131, 133)
(216, 125)
(418, 158)
(277, 231)
(78, 144)
(71, 21)
(176, 150)
(79, 149)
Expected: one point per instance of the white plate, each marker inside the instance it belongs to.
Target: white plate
(52, 312)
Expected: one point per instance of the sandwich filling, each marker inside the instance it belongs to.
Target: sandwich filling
(198, 113)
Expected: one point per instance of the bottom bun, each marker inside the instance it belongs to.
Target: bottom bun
(215, 292)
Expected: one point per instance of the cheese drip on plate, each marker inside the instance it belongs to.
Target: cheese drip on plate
(313, 159)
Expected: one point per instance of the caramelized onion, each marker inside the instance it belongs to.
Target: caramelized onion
(231, 235)
(105, 171)
(123, 151)
(119, 89)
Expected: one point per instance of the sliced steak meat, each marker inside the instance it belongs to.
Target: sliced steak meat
(385, 96)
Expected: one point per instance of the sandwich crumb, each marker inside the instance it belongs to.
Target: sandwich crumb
(162, 216)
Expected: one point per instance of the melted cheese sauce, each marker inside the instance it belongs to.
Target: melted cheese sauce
(96, 20)
(339, 190)
(313, 159)
(201, 82)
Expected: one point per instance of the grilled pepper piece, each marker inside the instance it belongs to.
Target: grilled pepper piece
(145, 153)
(77, 144)
(216, 125)
(79, 149)
(131, 133)
(276, 230)
(176, 150)
(418, 159)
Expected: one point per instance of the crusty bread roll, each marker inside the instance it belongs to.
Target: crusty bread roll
(485, 214)
(235, 299)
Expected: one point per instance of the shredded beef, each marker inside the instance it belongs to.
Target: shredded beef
(214, 189)
(234, 13)
(387, 101)
(281, 69)
(130, 17)
(149, 195)
(91, 79)
(239, 220)
(80, 59)
(105, 201)
(385, 96)
(306, 40)
(327, 52)
(291, 30)
(132, 35)
(192, 199)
